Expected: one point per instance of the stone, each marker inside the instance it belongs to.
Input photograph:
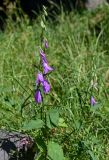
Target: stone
(16, 146)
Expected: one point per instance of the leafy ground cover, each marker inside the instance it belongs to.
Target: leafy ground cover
(79, 52)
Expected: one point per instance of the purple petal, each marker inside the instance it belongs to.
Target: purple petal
(39, 79)
(46, 87)
(43, 56)
(46, 44)
(47, 68)
(38, 96)
(92, 101)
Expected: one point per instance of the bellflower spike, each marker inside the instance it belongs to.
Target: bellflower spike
(43, 56)
(38, 96)
(47, 68)
(39, 79)
(46, 44)
(46, 87)
(92, 101)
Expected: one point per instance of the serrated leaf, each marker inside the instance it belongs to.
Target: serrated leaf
(33, 124)
(54, 116)
(55, 151)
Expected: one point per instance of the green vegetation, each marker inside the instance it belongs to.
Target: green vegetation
(79, 51)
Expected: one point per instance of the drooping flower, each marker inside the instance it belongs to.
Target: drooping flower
(38, 96)
(92, 101)
(43, 56)
(46, 44)
(45, 65)
(47, 68)
(39, 79)
(46, 87)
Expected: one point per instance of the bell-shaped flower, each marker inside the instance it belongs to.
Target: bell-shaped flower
(47, 68)
(45, 65)
(92, 101)
(39, 79)
(45, 43)
(43, 56)
(38, 96)
(46, 87)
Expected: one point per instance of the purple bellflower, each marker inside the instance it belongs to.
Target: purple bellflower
(43, 56)
(92, 101)
(47, 68)
(38, 96)
(46, 86)
(39, 79)
(45, 65)
(46, 44)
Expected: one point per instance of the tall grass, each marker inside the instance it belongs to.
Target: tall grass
(78, 48)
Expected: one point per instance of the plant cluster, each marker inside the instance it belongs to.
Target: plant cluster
(66, 109)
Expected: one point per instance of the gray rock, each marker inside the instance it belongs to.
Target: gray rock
(15, 146)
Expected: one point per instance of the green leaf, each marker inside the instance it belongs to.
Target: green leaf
(54, 116)
(33, 124)
(48, 121)
(55, 151)
(62, 123)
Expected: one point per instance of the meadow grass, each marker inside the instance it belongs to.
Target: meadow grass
(79, 51)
